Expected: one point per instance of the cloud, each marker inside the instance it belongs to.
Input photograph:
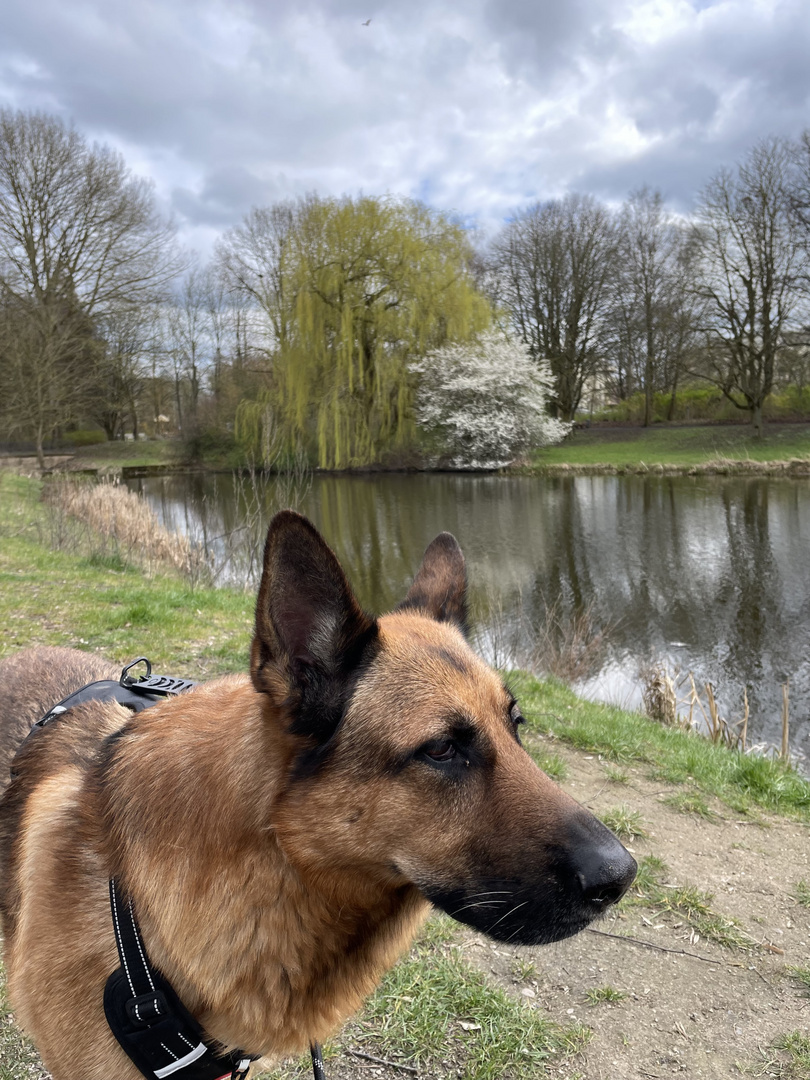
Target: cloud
(477, 107)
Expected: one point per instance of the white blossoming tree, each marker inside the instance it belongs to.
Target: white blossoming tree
(483, 402)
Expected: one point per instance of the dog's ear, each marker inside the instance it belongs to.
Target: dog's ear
(440, 586)
(311, 633)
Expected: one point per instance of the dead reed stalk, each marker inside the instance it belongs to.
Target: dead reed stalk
(655, 683)
(785, 752)
(116, 521)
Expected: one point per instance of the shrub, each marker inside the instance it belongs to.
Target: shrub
(87, 437)
(483, 402)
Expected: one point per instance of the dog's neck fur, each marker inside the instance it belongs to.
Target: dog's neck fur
(267, 946)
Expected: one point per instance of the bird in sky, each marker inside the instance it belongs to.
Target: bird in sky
(366, 23)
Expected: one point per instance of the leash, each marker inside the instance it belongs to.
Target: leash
(150, 1022)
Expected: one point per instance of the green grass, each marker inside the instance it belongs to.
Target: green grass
(626, 823)
(416, 1015)
(436, 1012)
(802, 976)
(627, 448)
(689, 903)
(117, 453)
(746, 783)
(796, 1046)
(616, 776)
(690, 802)
(598, 995)
(551, 764)
(97, 602)
(802, 893)
(18, 1059)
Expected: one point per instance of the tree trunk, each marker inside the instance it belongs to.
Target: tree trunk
(40, 453)
(673, 396)
(757, 421)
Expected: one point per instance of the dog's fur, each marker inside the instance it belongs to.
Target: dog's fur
(280, 835)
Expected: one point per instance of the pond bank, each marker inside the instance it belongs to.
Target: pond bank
(701, 971)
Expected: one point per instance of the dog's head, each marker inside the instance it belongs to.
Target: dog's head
(409, 767)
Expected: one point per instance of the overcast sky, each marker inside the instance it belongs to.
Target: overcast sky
(475, 106)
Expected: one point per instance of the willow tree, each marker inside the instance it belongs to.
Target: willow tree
(371, 283)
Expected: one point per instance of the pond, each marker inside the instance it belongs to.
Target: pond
(710, 574)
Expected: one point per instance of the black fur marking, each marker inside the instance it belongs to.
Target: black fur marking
(324, 701)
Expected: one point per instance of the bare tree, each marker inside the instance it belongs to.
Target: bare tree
(46, 350)
(752, 260)
(653, 311)
(127, 343)
(254, 262)
(189, 342)
(76, 231)
(553, 266)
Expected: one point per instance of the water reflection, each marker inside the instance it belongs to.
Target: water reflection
(711, 573)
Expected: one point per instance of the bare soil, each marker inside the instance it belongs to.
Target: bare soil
(713, 1013)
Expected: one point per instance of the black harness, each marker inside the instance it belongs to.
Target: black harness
(148, 1019)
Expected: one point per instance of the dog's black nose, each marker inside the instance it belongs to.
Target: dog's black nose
(603, 866)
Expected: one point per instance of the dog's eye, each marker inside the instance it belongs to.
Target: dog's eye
(440, 751)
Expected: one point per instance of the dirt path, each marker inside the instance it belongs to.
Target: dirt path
(698, 1018)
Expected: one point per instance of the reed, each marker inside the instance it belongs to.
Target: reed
(108, 521)
(659, 692)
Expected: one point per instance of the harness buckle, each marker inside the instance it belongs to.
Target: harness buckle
(147, 1008)
(154, 684)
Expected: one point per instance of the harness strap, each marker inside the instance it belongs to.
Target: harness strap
(318, 1068)
(150, 1022)
(148, 1019)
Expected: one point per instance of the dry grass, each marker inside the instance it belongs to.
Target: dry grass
(568, 644)
(658, 695)
(699, 711)
(116, 523)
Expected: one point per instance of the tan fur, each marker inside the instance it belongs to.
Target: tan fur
(271, 894)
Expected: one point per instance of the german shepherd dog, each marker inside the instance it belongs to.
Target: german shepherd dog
(282, 835)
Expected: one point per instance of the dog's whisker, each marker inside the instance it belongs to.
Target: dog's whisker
(517, 907)
(481, 903)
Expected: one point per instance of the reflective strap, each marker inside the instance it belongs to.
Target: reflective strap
(181, 1063)
(318, 1068)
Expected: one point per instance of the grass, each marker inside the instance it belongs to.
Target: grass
(18, 1059)
(523, 969)
(551, 764)
(418, 1010)
(802, 893)
(629, 447)
(687, 902)
(745, 783)
(98, 602)
(598, 995)
(796, 1046)
(690, 802)
(616, 776)
(436, 1012)
(625, 823)
(802, 975)
(120, 452)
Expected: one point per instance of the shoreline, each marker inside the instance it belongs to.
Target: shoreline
(66, 465)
